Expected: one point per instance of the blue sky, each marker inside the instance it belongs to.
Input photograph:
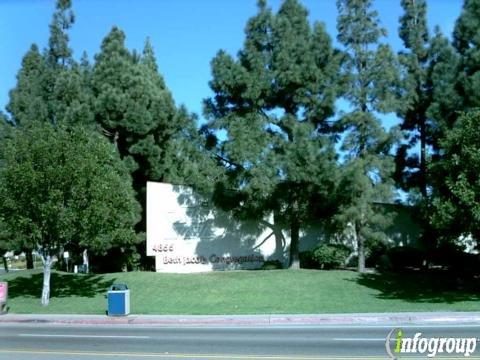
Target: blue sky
(186, 34)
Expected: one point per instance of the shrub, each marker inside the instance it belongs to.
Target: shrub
(454, 258)
(307, 261)
(376, 254)
(272, 265)
(403, 257)
(331, 256)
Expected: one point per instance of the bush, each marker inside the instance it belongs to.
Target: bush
(272, 265)
(307, 261)
(331, 256)
(376, 254)
(403, 257)
(454, 258)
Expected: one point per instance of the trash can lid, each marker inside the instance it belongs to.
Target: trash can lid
(116, 287)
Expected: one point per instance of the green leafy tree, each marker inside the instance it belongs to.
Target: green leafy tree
(5, 244)
(59, 187)
(455, 209)
(52, 87)
(273, 102)
(467, 42)
(371, 80)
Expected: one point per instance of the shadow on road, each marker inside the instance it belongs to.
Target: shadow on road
(423, 286)
(61, 285)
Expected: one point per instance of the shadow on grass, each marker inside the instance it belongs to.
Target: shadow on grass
(61, 285)
(422, 286)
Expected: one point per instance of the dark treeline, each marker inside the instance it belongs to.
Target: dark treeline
(285, 149)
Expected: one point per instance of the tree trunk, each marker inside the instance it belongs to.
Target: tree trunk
(423, 159)
(361, 250)
(29, 259)
(85, 261)
(294, 244)
(5, 264)
(48, 261)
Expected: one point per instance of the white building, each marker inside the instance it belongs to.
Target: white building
(187, 234)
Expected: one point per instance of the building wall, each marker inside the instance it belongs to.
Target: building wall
(187, 234)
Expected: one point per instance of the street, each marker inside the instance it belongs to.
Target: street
(47, 341)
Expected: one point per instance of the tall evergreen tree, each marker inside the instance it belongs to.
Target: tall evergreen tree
(428, 106)
(27, 100)
(125, 106)
(59, 52)
(430, 101)
(446, 101)
(68, 95)
(273, 101)
(59, 61)
(72, 96)
(371, 79)
(136, 111)
(416, 95)
(50, 86)
(466, 40)
(443, 111)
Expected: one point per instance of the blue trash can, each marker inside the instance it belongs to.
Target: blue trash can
(118, 299)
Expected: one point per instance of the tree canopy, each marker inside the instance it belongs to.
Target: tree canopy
(81, 139)
(369, 68)
(273, 101)
(467, 43)
(59, 187)
(456, 200)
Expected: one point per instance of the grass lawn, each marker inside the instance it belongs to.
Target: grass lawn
(246, 292)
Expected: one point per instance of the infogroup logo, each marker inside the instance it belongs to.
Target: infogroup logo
(397, 343)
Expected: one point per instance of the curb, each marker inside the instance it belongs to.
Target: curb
(245, 320)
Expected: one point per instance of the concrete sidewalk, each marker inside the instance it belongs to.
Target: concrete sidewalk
(249, 320)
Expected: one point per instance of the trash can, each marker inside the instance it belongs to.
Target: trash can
(3, 297)
(118, 299)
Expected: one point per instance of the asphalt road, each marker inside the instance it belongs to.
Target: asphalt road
(46, 341)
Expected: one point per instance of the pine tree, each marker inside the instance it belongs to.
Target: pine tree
(72, 97)
(416, 95)
(6, 127)
(51, 86)
(442, 113)
(428, 106)
(446, 101)
(136, 111)
(59, 61)
(27, 100)
(371, 80)
(273, 102)
(58, 51)
(467, 42)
